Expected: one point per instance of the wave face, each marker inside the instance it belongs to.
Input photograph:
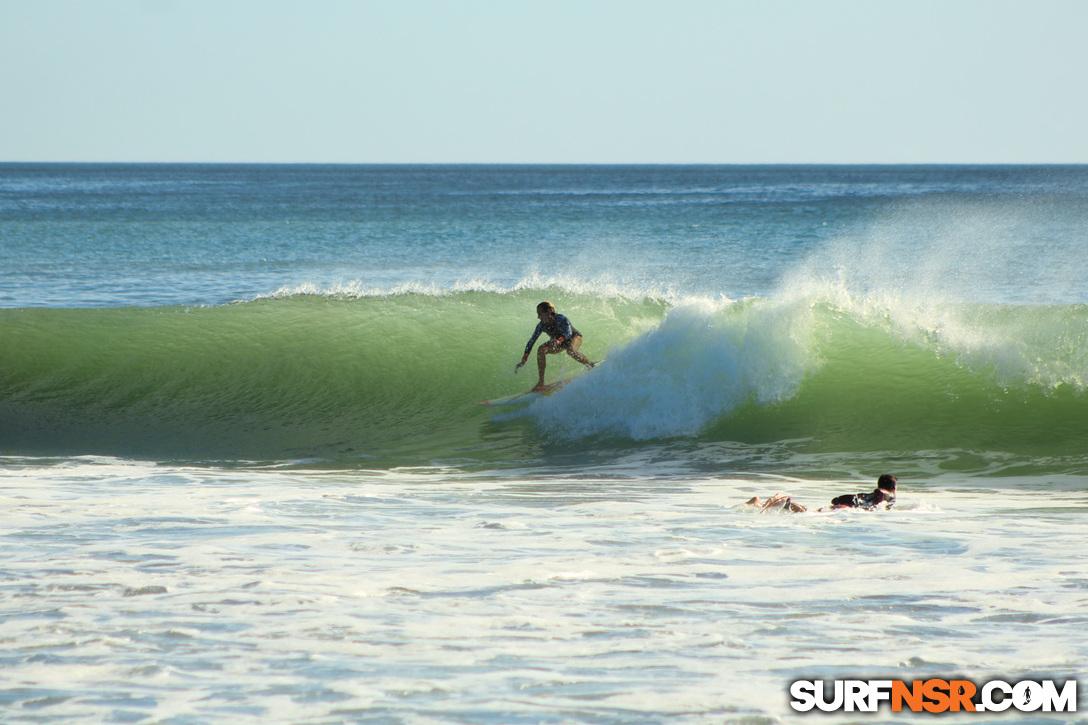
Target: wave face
(393, 377)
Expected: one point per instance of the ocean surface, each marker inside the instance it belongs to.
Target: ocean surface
(244, 477)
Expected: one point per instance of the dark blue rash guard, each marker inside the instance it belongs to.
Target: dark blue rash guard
(865, 500)
(559, 328)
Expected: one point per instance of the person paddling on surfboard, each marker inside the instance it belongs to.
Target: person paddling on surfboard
(882, 497)
(563, 337)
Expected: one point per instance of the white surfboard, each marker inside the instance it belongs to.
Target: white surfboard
(528, 396)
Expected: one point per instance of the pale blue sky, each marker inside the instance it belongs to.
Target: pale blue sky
(562, 81)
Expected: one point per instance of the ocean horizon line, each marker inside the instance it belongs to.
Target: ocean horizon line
(570, 164)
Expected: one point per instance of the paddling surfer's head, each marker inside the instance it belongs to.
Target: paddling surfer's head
(887, 482)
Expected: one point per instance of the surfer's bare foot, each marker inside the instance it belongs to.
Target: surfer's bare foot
(539, 388)
(777, 500)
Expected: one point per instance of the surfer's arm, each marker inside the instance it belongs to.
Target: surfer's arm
(529, 347)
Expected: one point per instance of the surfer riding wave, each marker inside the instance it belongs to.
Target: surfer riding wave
(563, 337)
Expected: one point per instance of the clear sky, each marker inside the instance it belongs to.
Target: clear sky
(555, 81)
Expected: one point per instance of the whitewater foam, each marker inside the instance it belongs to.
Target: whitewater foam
(700, 363)
(528, 287)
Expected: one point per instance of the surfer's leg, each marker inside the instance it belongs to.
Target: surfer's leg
(572, 350)
(548, 348)
(776, 501)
